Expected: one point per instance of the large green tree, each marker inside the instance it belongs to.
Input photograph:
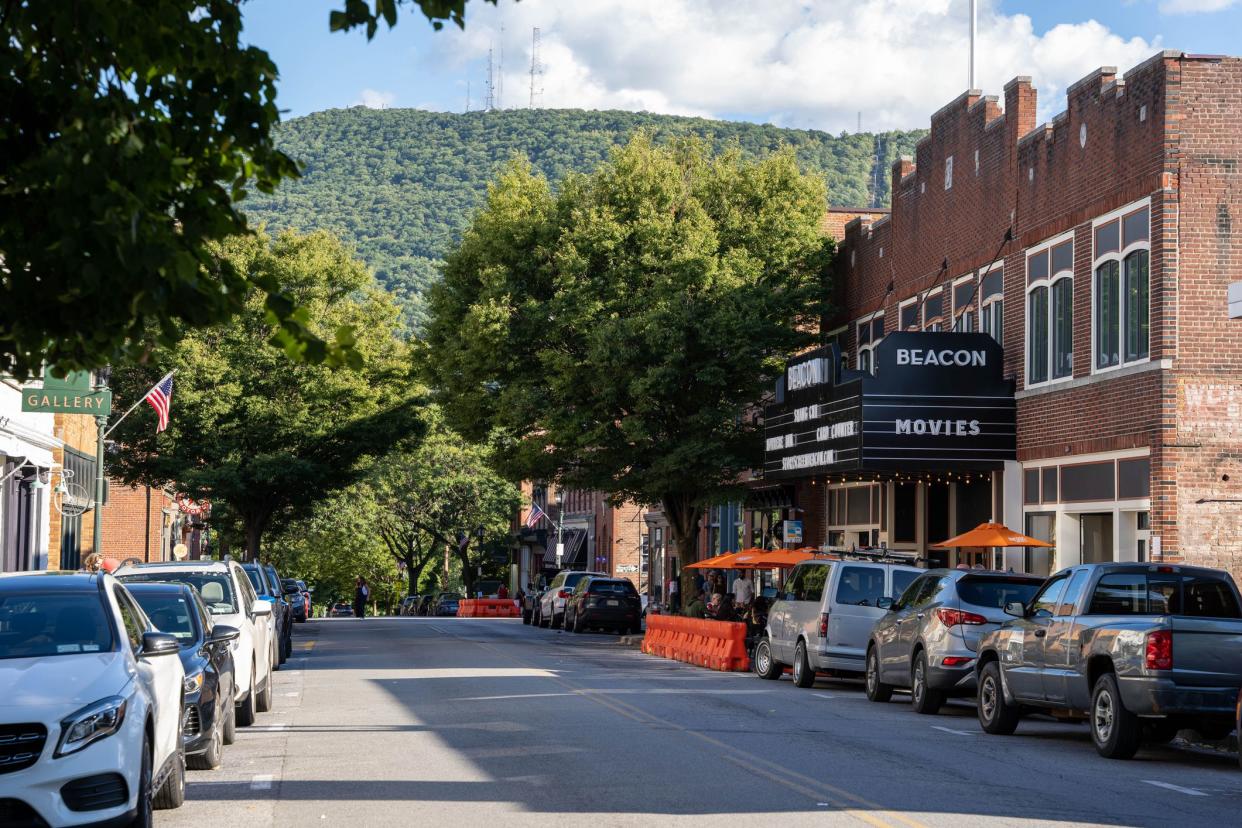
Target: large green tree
(266, 436)
(442, 496)
(609, 335)
(130, 132)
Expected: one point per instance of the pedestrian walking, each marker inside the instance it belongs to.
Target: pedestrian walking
(361, 594)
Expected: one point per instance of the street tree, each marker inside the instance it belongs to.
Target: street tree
(611, 334)
(131, 133)
(443, 496)
(266, 436)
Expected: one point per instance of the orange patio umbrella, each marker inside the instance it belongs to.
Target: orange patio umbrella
(992, 534)
(775, 559)
(724, 561)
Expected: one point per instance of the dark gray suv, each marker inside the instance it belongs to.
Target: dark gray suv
(929, 638)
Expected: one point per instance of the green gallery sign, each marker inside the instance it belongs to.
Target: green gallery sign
(67, 401)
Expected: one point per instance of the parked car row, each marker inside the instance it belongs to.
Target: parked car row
(115, 684)
(581, 600)
(1137, 651)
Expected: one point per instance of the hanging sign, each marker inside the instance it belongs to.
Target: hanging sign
(62, 401)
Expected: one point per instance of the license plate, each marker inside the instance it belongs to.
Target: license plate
(612, 603)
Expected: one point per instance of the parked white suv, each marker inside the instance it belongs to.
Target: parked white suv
(551, 610)
(90, 713)
(823, 619)
(227, 592)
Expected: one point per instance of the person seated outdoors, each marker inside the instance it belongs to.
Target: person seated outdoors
(713, 605)
(725, 611)
(696, 608)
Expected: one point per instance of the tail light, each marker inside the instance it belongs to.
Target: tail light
(955, 661)
(564, 593)
(1160, 650)
(823, 625)
(953, 617)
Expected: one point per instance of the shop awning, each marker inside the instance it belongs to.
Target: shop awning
(992, 534)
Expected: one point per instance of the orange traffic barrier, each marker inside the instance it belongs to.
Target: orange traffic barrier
(487, 608)
(719, 645)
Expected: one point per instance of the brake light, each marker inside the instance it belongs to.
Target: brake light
(953, 617)
(823, 625)
(955, 661)
(562, 593)
(1160, 650)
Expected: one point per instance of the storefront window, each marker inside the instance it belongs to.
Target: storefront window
(1037, 328)
(1041, 526)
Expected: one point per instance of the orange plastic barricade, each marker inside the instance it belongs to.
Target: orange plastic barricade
(719, 645)
(487, 608)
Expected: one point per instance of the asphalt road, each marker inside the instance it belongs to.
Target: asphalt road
(401, 721)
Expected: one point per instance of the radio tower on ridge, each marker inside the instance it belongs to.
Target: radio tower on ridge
(536, 71)
(489, 98)
(500, 72)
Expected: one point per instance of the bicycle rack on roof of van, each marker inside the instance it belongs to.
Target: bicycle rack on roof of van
(877, 554)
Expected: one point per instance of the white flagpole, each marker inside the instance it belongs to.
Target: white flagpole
(140, 401)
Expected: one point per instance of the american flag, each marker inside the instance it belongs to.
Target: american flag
(536, 515)
(160, 398)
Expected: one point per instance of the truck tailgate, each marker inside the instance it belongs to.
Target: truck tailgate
(1207, 652)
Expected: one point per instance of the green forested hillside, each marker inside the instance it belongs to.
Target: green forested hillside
(400, 183)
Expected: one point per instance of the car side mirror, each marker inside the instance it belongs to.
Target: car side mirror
(1016, 608)
(261, 607)
(222, 633)
(159, 644)
(885, 604)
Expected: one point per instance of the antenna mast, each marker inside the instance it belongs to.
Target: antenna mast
(500, 72)
(467, 96)
(536, 70)
(489, 100)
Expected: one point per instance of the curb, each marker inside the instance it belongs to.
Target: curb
(634, 641)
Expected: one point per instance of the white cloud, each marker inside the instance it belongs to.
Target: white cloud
(802, 63)
(374, 99)
(1195, 6)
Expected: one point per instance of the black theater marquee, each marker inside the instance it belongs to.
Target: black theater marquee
(937, 401)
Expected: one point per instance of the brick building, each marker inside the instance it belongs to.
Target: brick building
(141, 522)
(1098, 250)
(71, 535)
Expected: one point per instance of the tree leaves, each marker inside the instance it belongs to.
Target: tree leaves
(359, 13)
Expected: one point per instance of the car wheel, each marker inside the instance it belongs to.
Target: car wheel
(1114, 729)
(557, 621)
(245, 710)
(803, 675)
(924, 699)
(172, 793)
(144, 818)
(579, 626)
(264, 703)
(213, 757)
(273, 656)
(766, 666)
(228, 732)
(996, 715)
(877, 691)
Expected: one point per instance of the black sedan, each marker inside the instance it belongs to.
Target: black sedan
(296, 598)
(208, 721)
(612, 603)
(446, 603)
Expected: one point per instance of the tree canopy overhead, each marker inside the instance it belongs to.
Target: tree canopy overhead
(130, 132)
(609, 335)
(265, 436)
(401, 184)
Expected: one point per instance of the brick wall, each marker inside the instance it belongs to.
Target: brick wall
(133, 522)
(80, 432)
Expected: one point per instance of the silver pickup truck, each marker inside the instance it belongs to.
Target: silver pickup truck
(1137, 650)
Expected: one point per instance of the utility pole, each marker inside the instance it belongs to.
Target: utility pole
(974, 24)
(101, 427)
(536, 70)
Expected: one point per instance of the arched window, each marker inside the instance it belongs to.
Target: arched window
(1050, 313)
(1121, 290)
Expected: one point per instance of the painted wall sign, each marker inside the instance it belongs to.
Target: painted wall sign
(936, 401)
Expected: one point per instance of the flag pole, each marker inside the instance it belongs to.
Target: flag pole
(139, 402)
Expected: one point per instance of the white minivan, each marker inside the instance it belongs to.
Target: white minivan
(822, 621)
(228, 594)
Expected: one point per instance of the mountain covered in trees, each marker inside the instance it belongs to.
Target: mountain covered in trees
(401, 184)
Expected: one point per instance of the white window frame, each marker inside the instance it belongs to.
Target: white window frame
(901, 306)
(835, 334)
(1119, 256)
(923, 321)
(869, 348)
(985, 303)
(1047, 282)
(974, 300)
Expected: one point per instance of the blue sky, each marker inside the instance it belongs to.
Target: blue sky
(802, 63)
